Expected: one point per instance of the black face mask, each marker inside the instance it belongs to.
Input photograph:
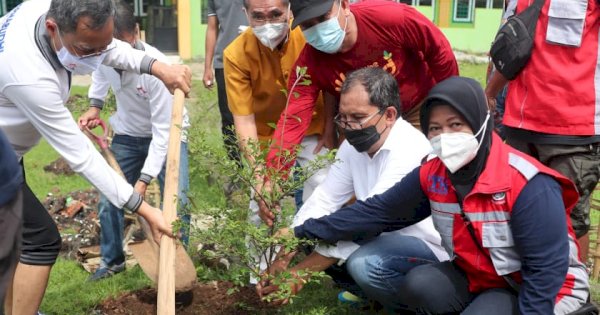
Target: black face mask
(362, 139)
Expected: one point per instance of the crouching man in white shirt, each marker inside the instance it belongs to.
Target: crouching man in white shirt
(141, 126)
(42, 43)
(379, 150)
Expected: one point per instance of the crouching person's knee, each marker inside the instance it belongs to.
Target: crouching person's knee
(363, 269)
(435, 289)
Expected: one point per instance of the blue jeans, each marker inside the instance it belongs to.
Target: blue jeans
(131, 152)
(379, 267)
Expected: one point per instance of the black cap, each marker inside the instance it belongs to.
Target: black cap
(305, 10)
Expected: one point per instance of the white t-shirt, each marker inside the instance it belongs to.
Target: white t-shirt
(356, 173)
(34, 88)
(144, 106)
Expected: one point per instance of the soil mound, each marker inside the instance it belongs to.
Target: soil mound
(59, 167)
(209, 298)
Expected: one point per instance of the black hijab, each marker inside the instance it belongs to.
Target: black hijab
(466, 96)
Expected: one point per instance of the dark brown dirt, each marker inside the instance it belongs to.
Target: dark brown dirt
(209, 298)
(77, 228)
(59, 167)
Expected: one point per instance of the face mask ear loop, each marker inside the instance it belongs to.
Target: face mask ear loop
(345, 16)
(59, 39)
(482, 130)
(287, 36)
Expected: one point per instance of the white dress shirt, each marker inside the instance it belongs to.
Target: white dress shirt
(356, 173)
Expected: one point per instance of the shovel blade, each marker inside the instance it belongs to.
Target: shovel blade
(147, 255)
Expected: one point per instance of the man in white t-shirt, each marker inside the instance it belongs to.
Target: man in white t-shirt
(379, 150)
(42, 43)
(141, 127)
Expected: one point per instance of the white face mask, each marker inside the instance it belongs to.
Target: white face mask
(78, 65)
(271, 34)
(457, 149)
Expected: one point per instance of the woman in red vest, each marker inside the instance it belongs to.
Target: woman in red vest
(502, 216)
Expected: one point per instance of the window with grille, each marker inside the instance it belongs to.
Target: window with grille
(11, 4)
(409, 2)
(489, 4)
(426, 3)
(481, 3)
(7, 5)
(497, 4)
(463, 11)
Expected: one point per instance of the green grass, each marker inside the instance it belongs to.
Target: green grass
(79, 90)
(43, 154)
(68, 292)
(475, 71)
(46, 182)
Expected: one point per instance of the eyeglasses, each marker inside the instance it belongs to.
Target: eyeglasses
(83, 53)
(88, 53)
(353, 124)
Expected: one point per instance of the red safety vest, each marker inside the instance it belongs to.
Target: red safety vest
(558, 92)
(488, 207)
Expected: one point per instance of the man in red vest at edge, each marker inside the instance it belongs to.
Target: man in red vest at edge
(553, 106)
(342, 38)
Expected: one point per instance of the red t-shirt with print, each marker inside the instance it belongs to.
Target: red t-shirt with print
(391, 35)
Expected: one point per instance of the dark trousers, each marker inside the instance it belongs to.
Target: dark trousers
(443, 288)
(41, 241)
(229, 137)
(579, 163)
(10, 241)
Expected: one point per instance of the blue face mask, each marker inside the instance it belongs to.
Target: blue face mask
(327, 36)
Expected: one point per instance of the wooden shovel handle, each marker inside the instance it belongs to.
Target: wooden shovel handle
(166, 271)
(102, 142)
(112, 161)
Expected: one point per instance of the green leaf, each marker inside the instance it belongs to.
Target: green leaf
(284, 91)
(305, 82)
(272, 125)
(301, 71)
(296, 94)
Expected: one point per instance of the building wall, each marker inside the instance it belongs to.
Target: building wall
(473, 37)
(198, 29)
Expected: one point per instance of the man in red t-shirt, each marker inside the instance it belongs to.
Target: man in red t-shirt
(342, 38)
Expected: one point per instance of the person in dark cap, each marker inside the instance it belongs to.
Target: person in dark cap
(342, 38)
(502, 216)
